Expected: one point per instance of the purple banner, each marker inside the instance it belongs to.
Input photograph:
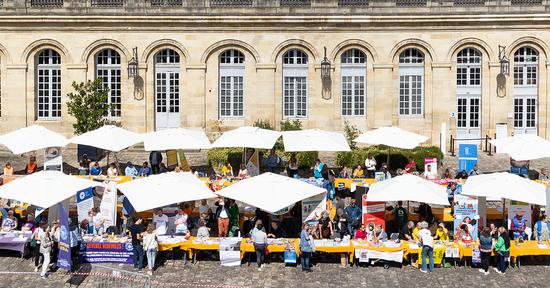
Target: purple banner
(106, 252)
(64, 258)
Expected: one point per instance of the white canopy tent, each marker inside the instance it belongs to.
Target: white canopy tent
(32, 138)
(247, 137)
(270, 192)
(108, 137)
(314, 140)
(177, 138)
(45, 188)
(164, 189)
(408, 188)
(392, 137)
(523, 147)
(504, 185)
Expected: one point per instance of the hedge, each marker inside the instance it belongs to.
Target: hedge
(398, 157)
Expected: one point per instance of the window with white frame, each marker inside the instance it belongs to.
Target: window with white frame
(526, 62)
(48, 85)
(167, 69)
(468, 67)
(108, 68)
(231, 83)
(354, 69)
(411, 82)
(295, 83)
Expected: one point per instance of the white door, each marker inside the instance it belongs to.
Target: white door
(467, 120)
(167, 100)
(525, 115)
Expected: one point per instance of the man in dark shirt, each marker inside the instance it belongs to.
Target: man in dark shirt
(276, 231)
(401, 216)
(135, 231)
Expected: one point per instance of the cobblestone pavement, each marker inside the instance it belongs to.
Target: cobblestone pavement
(209, 274)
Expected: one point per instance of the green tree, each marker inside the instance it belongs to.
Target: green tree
(351, 133)
(88, 104)
(288, 125)
(263, 123)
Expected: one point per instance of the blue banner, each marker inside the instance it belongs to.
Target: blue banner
(106, 252)
(64, 257)
(467, 157)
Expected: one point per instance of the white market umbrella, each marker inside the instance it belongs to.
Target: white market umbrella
(174, 139)
(45, 188)
(32, 138)
(270, 192)
(164, 189)
(314, 140)
(108, 137)
(504, 185)
(523, 147)
(247, 137)
(408, 188)
(392, 137)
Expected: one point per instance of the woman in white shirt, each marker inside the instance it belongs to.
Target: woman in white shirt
(150, 245)
(97, 221)
(370, 165)
(112, 171)
(181, 222)
(160, 221)
(243, 172)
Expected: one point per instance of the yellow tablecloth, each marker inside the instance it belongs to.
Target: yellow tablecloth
(184, 245)
(192, 246)
(528, 248)
(357, 181)
(248, 246)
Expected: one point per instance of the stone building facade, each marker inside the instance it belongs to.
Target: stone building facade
(220, 64)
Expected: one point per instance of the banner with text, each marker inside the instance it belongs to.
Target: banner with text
(64, 257)
(108, 203)
(84, 203)
(312, 207)
(106, 252)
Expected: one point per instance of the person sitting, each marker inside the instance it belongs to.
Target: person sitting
(8, 170)
(161, 221)
(344, 173)
(10, 223)
(227, 170)
(416, 230)
(203, 231)
(361, 233)
(145, 171)
(31, 166)
(542, 229)
(315, 232)
(358, 172)
(181, 222)
(243, 172)
(379, 233)
(384, 169)
(325, 226)
(30, 224)
(276, 230)
(429, 173)
(475, 171)
(544, 175)
(319, 170)
(447, 174)
(130, 170)
(518, 225)
(406, 232)
(83, 168)
(462, 175)
(411, 166)
(441, 233)
(95, 169)
(98, 221)
(112, 171)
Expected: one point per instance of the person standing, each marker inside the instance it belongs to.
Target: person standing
(427, 242)
(31, 166)
(325, 225)
(502, 248)
(354, 212)
(475, 171)
(318, 169)
(155, 158)
(370, 165)
(306, 247)
(259, 238)
(401, 216)
(135, 232)
(222, 214)
(150, 245)
(45, 249)
(181, 222)
(38, 234)
(485, 248)
(293, 167)
(74, 241)
(272, 161)
(160, 221)
(518, 225)
(542, 229)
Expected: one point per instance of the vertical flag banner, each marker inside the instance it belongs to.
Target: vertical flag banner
(64, 258)
(107, 207)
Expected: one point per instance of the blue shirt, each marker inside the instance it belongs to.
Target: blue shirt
(318, 170)
(95, 171)
(145, 171)
(131, 171)
(305, 246)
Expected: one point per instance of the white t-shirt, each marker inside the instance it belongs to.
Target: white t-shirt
(426, 237)
(370, 164)
(203, 232)
(160, 223)
(181, 223)
(430, 174)
(96, 220)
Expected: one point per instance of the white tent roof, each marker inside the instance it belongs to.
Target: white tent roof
(314, 140)
(108, 137)
(391, 136)
(408, 188)
(270, 192)
(45, 188)
(507, 186)
(523, 147)
(164, 189)
(177, 138)
(32, 138)
(247, 137)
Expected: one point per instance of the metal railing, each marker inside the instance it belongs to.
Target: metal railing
(411, 3)
(231, 3)
(107, 3)
(488, 148)
(526, 2)
(353, 2)
(466, 3)
(157, 3)
(46, 3)
(295, 2)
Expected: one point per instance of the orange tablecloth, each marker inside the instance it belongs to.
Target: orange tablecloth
(192, 245)
(248, 246)
(183, 245)
(528, 248)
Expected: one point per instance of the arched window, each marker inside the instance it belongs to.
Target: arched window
(354, 70)
(48, 84)
(295, 83)
(468, 93)
(411, 82)
(108, 68)
(167, 89)
(526, 62)
(231, 83)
